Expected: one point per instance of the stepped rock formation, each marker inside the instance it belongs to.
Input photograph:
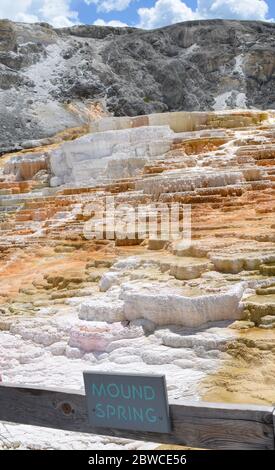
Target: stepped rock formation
(201, 311)
(48, 76)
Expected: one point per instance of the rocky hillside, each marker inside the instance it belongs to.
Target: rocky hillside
(48, 76)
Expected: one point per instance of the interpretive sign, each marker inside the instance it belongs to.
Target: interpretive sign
(121, 401)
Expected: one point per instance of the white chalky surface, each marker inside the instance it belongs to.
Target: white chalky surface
(142, 316)
(33, 361)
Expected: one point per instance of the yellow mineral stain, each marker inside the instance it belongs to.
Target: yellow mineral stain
(248, 376)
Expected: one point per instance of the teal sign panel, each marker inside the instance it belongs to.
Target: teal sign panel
(135, 402)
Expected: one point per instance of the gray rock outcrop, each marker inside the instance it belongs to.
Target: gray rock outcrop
(192, 66)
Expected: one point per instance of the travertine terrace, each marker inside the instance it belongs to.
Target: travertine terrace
(203, 314)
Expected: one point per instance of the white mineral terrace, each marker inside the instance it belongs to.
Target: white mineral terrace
(201, 313)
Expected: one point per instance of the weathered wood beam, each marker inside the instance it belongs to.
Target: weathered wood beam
(200, 425)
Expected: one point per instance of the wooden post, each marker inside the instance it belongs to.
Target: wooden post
(273, 416)
(200, 425)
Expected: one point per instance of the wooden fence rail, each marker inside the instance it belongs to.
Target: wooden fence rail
(201, 425)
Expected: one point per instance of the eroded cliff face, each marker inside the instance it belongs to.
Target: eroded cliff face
(193, 66)
(201, 313)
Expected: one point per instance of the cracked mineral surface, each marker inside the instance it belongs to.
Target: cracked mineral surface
(201, 313)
